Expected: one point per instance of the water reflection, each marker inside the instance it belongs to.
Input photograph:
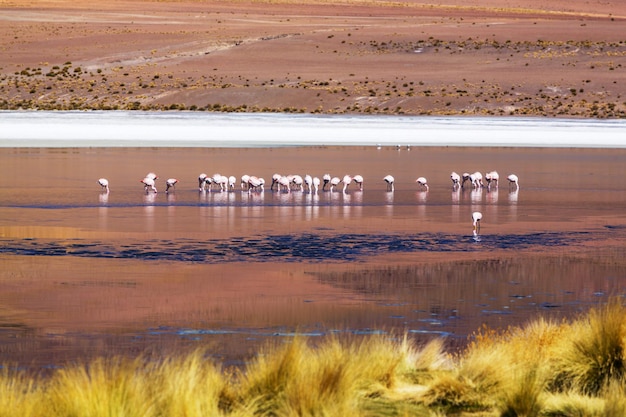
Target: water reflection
(458, 297)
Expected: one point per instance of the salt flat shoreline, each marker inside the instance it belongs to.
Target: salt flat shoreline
(25, 129)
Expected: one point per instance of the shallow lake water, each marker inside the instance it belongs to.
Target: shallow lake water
(87, 273)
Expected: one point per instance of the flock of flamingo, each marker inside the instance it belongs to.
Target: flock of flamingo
(288, 183)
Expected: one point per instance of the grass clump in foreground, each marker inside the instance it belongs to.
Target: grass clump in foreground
(544, 368)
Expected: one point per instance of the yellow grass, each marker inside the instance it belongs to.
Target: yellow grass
(544, 368)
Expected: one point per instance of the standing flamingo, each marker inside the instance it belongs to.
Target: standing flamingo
(347, 179)
(316, 184)
(297, 182)
(326, 178)
(308, 182)
(389, 179)
(245, 181)
(148, 184)
(284, 184)
(334, 181)
(359, 180)
(104, 183)
(476, 218)
(456, 179)
(201, 179)
(513, 180)
(422, 181)
(275, 181)
(171, 182)
(492, 176)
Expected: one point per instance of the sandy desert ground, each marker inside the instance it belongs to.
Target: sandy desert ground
(493, 57)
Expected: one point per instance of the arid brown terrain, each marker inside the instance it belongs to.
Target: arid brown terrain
(493, 57)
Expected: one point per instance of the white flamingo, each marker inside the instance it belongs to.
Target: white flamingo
(334, 181)
(476, 218)
(513, 180)
(347, 179)
(492, 176)
(284, 184)
(245, 181)
(466, 177)
(456, 179)
(256, 184)
(422, 181)
(297, 181)
(316, 184)
(326, 178)
(389, 179)
(232, 180)
(275, 181)
(222, 181)
(169, 183)
(104, 183)
(201, 179)
(359, 180)
(148, 184)
(308, 182)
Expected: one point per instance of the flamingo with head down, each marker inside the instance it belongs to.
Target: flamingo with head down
(422, 182)
(389, 179)
(477, 216)
(104, 183)
(513, 180)
(347, 179)
(169, 183)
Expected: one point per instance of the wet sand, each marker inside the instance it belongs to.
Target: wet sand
(87, 274)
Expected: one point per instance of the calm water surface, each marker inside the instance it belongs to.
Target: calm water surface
(87, 273)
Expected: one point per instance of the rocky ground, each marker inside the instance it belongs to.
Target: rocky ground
(496, 57)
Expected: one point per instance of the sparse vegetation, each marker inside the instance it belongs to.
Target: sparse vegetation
(542, 369)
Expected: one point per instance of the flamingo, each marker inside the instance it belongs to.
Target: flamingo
(222, 181)
(256, 184)
(477, 179)
(275, 181)
(347, 179)
(284, 184)
(334, 181)
(389, 179)
(171, 182)
(422, 181)
(492, 176)
(359, 180)
(148, 183)
(513, 180)
(104, 183)
(297, 181)
(456, 179)
(316, 184)
(466, 177)
(232, 180)
(308, 181)
(201, 179)
(326, 178)
(245, 181)
(476, 218)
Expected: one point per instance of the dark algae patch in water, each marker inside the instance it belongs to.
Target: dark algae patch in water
(306, 247)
